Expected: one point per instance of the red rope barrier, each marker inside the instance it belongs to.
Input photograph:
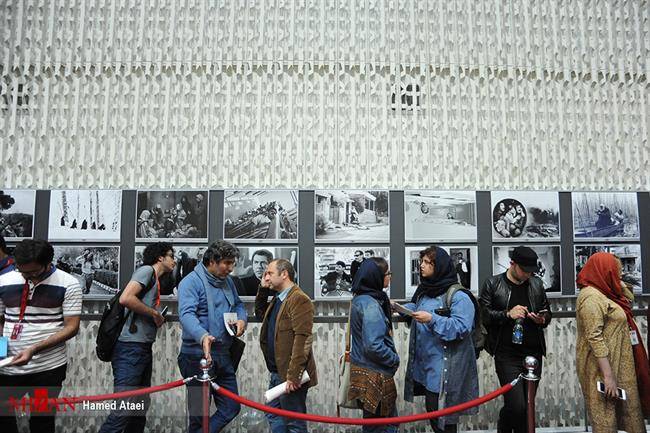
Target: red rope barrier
(118, 395)
(367, 421)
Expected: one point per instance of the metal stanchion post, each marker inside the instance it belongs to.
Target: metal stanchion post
(205, 378)
(530, 363)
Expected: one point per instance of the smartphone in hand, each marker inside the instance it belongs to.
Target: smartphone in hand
(620, 392)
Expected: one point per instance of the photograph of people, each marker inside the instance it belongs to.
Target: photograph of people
(333, 269)
(548, 264)
(531, 215)
(253, 262)
(172, 214)
(440, 216)
(17, 213)
(186, 258)
(351, 216)
(605, 215)
(96, 268)
(263, 215)
(463, 258)
(79, 215)
(628, 254)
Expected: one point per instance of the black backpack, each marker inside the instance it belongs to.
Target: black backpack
(478, 333)
(113, 320)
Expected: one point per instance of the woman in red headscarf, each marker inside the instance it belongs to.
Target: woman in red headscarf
(609, 348)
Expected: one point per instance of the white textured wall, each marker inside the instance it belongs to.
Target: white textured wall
(516, 94)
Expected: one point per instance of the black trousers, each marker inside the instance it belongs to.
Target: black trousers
(431, 404)
(512, 416)
(17, 386)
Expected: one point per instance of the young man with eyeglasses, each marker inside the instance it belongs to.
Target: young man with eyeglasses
(132, 356)
(40, 308)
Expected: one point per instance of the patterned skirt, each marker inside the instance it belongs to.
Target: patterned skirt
(376, 392)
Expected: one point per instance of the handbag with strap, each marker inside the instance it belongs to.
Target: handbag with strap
(344, 374)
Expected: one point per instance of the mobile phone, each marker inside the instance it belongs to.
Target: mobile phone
(164, 311)
(542, 311)
(620, 392)
(444, 312)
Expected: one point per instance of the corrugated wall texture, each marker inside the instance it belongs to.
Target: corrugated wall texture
(530, 95)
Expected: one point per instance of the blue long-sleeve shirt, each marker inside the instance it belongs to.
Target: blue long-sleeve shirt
(372, 346)
(431, 338)
(194, 318)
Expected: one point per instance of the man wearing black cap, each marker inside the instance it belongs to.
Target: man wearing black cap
(515, 312)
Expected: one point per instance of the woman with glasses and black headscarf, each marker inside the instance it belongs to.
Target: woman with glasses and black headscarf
(373, 357)
(442, 360)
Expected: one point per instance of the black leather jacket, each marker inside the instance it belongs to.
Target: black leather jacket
(494, 297)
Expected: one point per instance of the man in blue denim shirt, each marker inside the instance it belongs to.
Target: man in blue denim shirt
(204, 296)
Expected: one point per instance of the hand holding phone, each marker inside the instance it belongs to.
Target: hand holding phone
(620, 392)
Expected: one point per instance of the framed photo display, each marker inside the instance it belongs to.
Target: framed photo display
(17, 213)
(85, 215)
(172, 215)
(629, 254)
(548, 266)
(96, 267)
(351, 216)
(261, 216)
(465, 258)
(525, 216)
(608, 216)
(335, 268)
(440, 216)
(253, 261)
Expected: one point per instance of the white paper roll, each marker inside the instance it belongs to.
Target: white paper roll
(281, 389)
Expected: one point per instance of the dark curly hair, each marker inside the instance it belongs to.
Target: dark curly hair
(153, 252)
(220, 250)
(34, 251)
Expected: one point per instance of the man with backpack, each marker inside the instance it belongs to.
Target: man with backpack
(40, 308)
(515, 313)
(442, 352)
(132, 355)
(211, 315)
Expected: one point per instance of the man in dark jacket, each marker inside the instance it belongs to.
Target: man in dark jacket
(514, 303)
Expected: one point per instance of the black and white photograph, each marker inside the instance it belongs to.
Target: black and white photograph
(97, 268)
(629, 255)
(351, 216)
(261, 215)
(548, 265)
(17, 213)
(465, 260)
(253, 261)
(186, 256)
(172, 215)
(605, 215)
(439, 216)
(529, 215)
(335, 268)
(85, 215)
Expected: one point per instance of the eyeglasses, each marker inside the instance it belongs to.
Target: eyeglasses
(388, 274)
(32, 274)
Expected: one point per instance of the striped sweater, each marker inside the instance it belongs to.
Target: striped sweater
(49, 301)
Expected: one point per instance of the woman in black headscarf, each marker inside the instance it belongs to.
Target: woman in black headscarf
(442, 362)
(373, 356)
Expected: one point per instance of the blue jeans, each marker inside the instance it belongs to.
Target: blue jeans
(224, 375)
(131, 364)
(390, 428)
(294, 401)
